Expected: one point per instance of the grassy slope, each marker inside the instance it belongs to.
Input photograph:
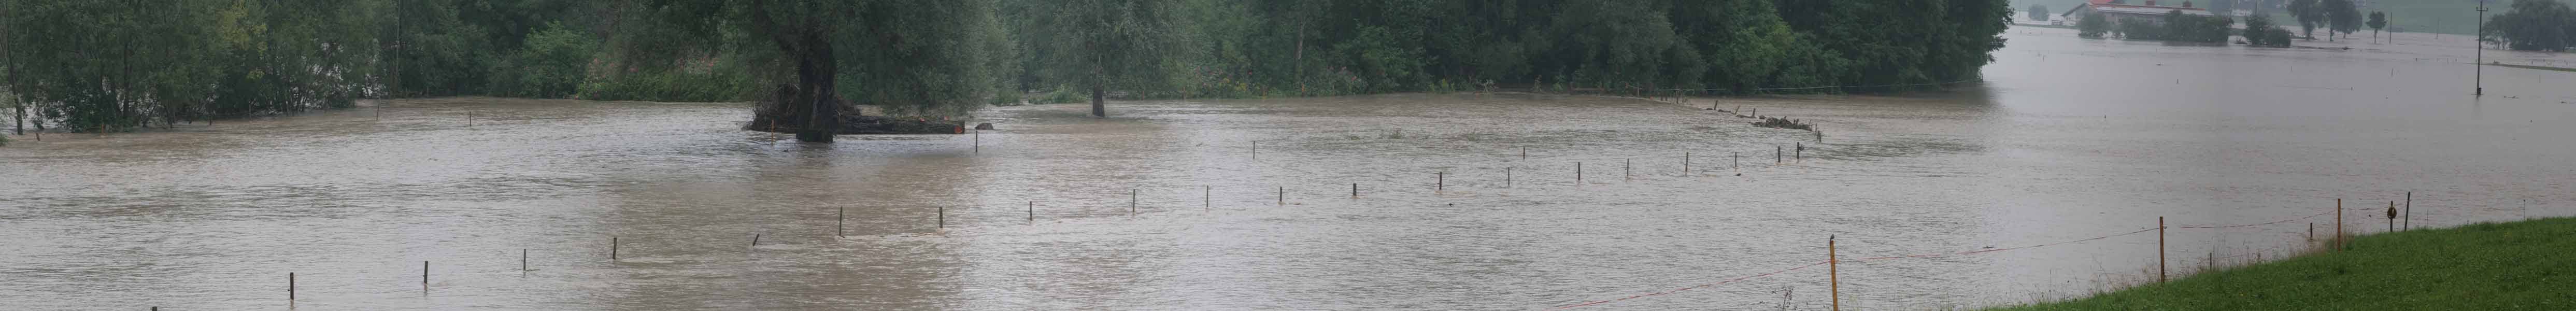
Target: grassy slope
(2526, 265)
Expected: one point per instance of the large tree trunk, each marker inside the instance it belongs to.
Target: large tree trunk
(816, 72)
(1097, 110)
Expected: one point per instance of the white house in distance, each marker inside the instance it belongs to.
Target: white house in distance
(2123, 11)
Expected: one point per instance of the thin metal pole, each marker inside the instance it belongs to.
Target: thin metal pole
(290, 286)
(2338, 234)
(2410, 211)
(979, 141)
(523, 260)
(1833, 272)
(2160, 249)
(1131, 203)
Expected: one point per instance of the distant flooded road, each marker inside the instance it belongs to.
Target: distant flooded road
(2070, 139)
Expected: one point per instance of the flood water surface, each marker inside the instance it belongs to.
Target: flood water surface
(1248, 204)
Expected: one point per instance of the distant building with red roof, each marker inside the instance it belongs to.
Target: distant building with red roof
(2129, 11)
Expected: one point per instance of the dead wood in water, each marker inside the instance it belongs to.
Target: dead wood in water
(1784, 123)
(861, 124)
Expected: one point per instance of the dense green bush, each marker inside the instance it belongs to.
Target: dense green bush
(552, 64)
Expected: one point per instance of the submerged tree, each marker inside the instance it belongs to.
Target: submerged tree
(914, 54)
(2342, 17)
(2310, 14)
(2093, 25)
(1104, 44)
(2378, 22)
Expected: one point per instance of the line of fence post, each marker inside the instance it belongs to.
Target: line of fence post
(1355, 190)
(290, 286)
(1627, 170)
(1207, 202)
(1507, 177)
(2410, 211)
(2338, 233)
(612, 248)
(943, 217)
(2160, 249)
(1686, 159)
(1578, 173)
(1833, 272)
(841, 220)
(1131, 203)
(1439, 181)
(523, 260)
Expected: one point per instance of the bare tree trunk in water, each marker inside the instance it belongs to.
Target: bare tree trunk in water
(1098, 111)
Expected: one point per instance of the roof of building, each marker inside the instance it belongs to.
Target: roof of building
(2107, 7)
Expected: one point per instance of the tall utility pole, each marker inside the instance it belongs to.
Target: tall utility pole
(2481, 71)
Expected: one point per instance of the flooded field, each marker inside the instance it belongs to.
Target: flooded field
(2069, 139)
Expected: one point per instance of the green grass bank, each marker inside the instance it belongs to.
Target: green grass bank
(2522, 265)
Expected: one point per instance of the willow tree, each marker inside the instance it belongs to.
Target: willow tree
(905, 55)
(1103, 44)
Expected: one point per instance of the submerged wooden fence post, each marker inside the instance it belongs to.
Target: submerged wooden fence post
(1778, 156)
(1283, 196)
(523, 260)
(841, 219)
(1524, 153)
(1833, 272)
(1507, 177)
(755, 240)
(1627, 169)
(2160, 249)
(2410, 211)
(943, 217)
(1131, 203)
(1439, 181)
(1207, 202)
(1801, 155)
(979, 141)
(612, 248)
(1578, 173)
(1355, 190)
(290, 286)
(1256, 150)
(2312, 232)
(1686, 164)
(424, 274)
(1739, 159)
(2338, 234)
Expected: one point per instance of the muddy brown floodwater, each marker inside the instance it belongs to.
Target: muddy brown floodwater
(2070, 139)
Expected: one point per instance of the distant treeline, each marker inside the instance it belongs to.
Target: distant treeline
(2534, 25)
(110, 65)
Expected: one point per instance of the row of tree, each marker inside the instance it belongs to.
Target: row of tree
(2534, 25)
(2337, 16)
(118, 65)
